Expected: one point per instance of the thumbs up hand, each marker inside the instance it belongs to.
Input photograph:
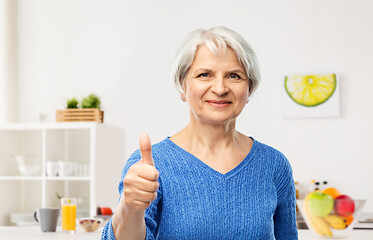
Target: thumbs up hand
(146, 149)
(141, 181)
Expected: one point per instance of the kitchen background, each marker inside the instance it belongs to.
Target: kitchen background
(122, 51)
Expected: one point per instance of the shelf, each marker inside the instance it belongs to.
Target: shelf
(86, 145)
(67, 178)
(17, 178)
(40, 126)
(11, 178)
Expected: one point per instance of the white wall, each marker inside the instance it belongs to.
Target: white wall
(8, 83)
(122, 51)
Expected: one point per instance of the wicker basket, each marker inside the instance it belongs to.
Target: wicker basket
(80, 115)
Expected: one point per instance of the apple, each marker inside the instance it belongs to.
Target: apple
(104, 211)
(344, 205)
(320, 204)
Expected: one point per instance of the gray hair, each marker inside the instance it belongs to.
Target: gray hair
(214, 38)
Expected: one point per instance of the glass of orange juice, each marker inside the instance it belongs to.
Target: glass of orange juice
(68, 206)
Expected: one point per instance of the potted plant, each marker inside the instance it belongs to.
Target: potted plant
(72, 103)
(91, 101)
(89, 111)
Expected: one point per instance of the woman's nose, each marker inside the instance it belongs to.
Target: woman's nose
(219, 86)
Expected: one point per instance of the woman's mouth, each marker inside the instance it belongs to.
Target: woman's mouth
(218, 103)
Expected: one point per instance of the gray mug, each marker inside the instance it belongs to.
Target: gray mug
(47, 217)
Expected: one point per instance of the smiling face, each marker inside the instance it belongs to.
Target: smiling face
(216, 86)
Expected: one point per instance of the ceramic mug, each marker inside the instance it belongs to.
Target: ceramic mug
(47, 218)
(65, 169)
(52, 169)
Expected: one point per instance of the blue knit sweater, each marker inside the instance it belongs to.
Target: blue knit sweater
(255, 200)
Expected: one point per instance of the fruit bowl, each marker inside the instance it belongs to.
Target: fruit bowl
(90, 224)
(330, 218)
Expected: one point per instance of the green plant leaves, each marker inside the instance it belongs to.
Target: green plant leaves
(72, 103)
(91, 101)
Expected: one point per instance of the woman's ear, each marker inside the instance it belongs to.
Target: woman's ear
(182, 96)
(183, 91)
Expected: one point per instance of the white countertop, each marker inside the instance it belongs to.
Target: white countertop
(33, 232)
(355, 235)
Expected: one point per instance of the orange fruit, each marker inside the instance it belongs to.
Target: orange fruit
(349, 219)
(332, 192)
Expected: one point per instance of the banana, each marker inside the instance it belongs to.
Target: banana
(336, 222)
(318, 224)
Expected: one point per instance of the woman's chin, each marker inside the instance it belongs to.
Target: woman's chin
(218, 120)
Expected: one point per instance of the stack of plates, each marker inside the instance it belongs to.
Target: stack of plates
(23, 219)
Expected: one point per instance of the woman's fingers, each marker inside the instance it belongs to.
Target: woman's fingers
(146, 149)
(138, 199)
(141, 181)
(147, 186)
(147, 172)
(141, 184)
(145, 196)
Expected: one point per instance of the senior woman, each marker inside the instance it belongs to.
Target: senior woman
(208, 181)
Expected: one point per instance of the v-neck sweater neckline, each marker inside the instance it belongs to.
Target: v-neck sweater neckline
(195, 161)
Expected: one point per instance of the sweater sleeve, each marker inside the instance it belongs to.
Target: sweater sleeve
(285, 214)
(151, 213)
(107, 232)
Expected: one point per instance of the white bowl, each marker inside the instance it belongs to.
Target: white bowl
(29, 170)
(23, 219)
(90, 224)
(28, 165)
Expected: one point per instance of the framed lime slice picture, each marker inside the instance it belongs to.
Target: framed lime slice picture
(310, 90)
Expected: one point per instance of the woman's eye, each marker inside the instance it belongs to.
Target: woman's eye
(234, 76)
(203, 75)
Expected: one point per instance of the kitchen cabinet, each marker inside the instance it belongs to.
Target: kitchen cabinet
(93, 152)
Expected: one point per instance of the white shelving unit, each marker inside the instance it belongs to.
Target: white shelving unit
(99, 147)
